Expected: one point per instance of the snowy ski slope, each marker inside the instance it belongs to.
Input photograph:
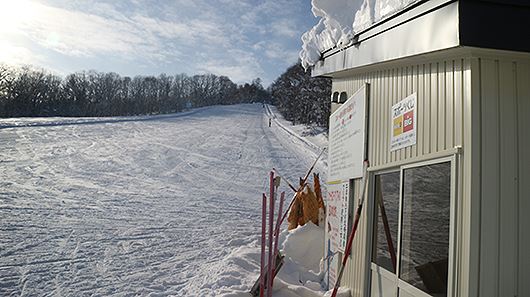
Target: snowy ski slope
(149, 206)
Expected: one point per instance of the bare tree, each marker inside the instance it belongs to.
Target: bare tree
(29, 92)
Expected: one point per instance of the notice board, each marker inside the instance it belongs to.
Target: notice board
(347, 138)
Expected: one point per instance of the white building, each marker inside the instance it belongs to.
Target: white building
(457, 193)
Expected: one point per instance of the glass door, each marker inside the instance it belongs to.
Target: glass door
(411, 235)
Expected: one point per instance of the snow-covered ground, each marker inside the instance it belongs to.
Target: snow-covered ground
(151, 206)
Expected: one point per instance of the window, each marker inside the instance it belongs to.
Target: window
(425, 227)
(386, 227)
(411, 230)
(335, 97)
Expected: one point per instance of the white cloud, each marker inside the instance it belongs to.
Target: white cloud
(233, 38)
(278, 52)
(239, 66)
(79, 34)
(82, 34)
(17, 55)
(285, 27)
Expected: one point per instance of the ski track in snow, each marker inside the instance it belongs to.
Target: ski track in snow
(142, 207)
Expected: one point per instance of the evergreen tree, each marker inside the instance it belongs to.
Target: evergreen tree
(302, 98)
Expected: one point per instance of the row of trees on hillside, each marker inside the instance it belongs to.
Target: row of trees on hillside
(302, 98)
(30, 92)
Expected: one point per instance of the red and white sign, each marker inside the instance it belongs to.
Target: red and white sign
(338, 196)
(403, 130)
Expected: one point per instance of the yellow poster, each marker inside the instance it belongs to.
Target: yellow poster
(398, 125)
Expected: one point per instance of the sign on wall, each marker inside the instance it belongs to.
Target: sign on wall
(403, 129)
(347, 138)
(338, 195)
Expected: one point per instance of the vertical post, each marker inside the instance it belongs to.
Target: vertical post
(277, 229)
(271, 218)
(277, 235)
(329, 261)
(263, 229)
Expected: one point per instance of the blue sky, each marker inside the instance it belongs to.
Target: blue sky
(242, 39)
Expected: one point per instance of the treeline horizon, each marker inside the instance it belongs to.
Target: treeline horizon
(31, 92)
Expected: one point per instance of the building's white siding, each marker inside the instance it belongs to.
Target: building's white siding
(440, 91)
(481, 104)
(440, 104)
(505, 174)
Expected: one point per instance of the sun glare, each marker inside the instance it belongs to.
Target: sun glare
(13, 13)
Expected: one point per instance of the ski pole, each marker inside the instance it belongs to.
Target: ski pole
(277, 235)
(263, 228)
(271, 223)
(353, 231)
(302, 185)
(314, 163)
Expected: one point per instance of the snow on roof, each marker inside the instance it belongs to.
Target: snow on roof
(340, 20)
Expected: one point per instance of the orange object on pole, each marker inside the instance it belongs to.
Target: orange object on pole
(294, 215)
(318, 191)
(309, 206)
(302, 184)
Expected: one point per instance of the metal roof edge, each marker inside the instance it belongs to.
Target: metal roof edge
(431, 27)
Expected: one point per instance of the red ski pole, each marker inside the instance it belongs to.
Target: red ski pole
(271, 223)
(263, 224)
(353, 231)
(277, 231)
(277, 235)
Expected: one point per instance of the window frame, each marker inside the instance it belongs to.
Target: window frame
(400, 284)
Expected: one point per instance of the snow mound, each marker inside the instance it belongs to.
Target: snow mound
(340, 20)
(342, 292)
(300, 275)
(386, 8)
(304, 245)
(234, 275)
(363, 17)
(334, 27)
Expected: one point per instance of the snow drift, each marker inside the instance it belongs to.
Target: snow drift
(302, 273)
